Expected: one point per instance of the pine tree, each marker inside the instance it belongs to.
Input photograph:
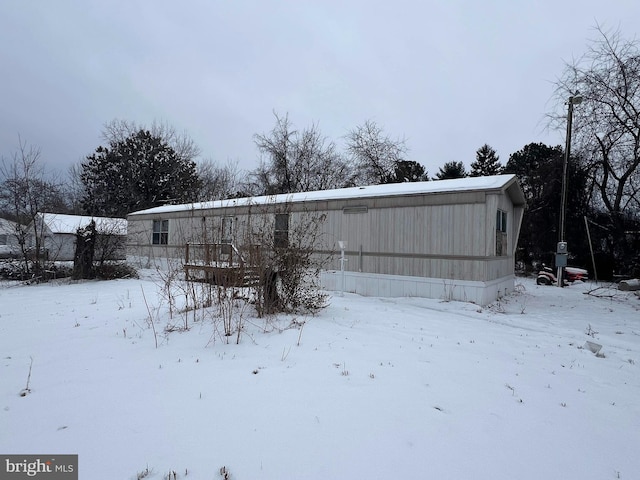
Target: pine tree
(139, 172)
(539, 171)
(487, 162)
(407, 171)
(451, 170)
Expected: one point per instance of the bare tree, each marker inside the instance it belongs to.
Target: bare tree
(74, 189)
(292, 252)
(28, 189)
(606, 126)
(297, 161)
(318, 165)
(374, 154)
(277, 175)
(218, 182)
(109, 240)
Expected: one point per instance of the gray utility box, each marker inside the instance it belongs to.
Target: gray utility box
(562, 252)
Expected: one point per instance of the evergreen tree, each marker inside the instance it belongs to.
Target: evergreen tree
(539, 170)
(407, 171)
(487, 162)
(451, 170)
(139, 172)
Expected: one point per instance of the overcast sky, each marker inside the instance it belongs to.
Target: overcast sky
(448, 76)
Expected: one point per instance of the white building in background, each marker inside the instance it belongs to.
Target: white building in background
(58, 235)
(9, 245)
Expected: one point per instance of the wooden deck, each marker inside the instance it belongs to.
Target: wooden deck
(230, 276)
(222, 264)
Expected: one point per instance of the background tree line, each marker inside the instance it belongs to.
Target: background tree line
(140, 167)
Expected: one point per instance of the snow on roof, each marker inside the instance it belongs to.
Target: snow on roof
(494, 182)
(60, 223)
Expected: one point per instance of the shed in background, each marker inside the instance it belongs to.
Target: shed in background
(9, 238)
(58, 233)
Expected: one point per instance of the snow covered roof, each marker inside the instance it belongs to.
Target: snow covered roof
(494, 182)
(60, 223)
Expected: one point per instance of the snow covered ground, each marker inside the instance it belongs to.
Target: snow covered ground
(371, 388)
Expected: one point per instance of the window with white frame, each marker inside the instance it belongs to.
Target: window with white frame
(160, 234)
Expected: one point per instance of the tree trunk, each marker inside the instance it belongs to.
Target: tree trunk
(270, 291)
(85, 247)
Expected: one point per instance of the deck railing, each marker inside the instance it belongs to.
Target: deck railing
(222, 263)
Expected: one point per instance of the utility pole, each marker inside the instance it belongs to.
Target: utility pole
(562, 250)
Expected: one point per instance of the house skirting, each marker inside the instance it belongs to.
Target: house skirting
(378, 285)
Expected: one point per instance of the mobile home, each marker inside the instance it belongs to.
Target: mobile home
(450, 239)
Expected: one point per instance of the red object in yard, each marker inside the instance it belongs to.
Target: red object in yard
(573, 274)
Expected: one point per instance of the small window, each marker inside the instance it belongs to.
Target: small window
(160, 232)
(501, 221)
(3, 239)
(227, 235)
(281, 234)
(501, 233)
(227, 229)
